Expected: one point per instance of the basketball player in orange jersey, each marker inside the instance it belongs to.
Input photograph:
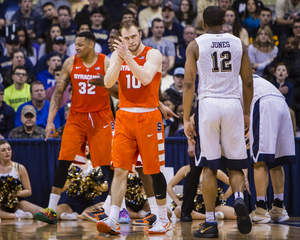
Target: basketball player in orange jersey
(90, 117)
(139, 128)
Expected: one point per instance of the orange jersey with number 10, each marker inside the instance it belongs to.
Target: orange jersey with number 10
(133, 93)
(87, 97)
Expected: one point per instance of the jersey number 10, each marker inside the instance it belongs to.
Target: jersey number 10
(132, 82)
(225, 63)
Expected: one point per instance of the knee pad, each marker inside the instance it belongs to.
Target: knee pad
(159, 185)
(61, 173)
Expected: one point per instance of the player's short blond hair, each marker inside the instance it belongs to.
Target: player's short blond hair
(128, 24)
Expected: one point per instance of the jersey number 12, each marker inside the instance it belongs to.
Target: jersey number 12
(225, 63)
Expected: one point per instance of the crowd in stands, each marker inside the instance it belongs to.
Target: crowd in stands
(36, 37)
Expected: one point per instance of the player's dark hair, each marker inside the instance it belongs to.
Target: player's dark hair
(213, 16)
(87, 35)
(115, 25)
(128, 24)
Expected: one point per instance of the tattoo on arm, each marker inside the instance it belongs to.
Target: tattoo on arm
(61, 86)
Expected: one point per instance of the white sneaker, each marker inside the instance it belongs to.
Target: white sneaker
(68, 216)
(260, 215)
(109, 225)
(219, 215)
(278, 214)
(161, 226)
(23, 215)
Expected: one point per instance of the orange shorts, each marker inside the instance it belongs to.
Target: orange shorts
(94, 127)
(139, 133)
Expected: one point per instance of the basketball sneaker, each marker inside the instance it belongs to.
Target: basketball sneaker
(207, 230)
(96, 215)
(124, 216)
(260, 215)
(48, 215)
(277, 213)
(148, 220)
(109, 225)
(23, 215)
(161, 226)
(244, 223)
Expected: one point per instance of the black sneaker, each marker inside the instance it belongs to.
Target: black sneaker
(207, 230)
(148, 220)
(186, 217)
(244, 223)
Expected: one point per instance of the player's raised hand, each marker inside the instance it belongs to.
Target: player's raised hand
(189, 131)
(50, 130)
(167, 112)
(99, 81)
(121, 47)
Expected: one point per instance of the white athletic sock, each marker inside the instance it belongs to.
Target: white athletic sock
(106, 205)
(153, 205)
(279, 196)
(261, 198)
(53, 201)
(123, 205)
(162, 212)
(238, 195)
(210, 216)
(114, 212)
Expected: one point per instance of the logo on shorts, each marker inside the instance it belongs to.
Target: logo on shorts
(159, 126)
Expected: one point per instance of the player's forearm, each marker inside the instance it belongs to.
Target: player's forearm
(54, 105)
(112, 75)
(114, 91)
(247, 96)
(187, 97)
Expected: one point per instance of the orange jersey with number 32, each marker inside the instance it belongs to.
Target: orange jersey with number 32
(87, 97)
(133, 93)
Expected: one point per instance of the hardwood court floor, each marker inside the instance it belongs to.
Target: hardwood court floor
(75, 230)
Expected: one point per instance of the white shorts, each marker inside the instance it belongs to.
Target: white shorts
(221, 131)
(271, 132)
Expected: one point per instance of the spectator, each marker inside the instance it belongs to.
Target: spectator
(37, 91)
(27, 17)
(101, 34)
(12, 43)
(201, 5)
(85, 13)
(141, 4)
(67, 26)
(175, 91)
(7, 114)
(50, 18)
(9, 7)
(133, 8)
(166, 79)
(176, 128)
(27, 48)
(241, 5)
(173, 30)
(57, 4)
(265, 17)
(82, 27)
(17, 59)
(148, 14)
(127, 15)
(115, 8)
(47, 76)
(286, 11)
(53, 31)
(114, 35)
(49, 92)
(296, 31)
(263, 50)
(19, 92)
(176, 4)
(157, 41)
(227, 28)
(286, 88)
(29, 129)
(189, 34)
(59, 45)
(232, 18)
(250, 17)
(186, 14)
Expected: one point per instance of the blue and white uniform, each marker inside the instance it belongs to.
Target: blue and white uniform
(221, 122)
(271, 132)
